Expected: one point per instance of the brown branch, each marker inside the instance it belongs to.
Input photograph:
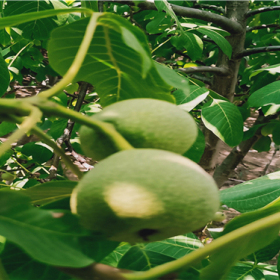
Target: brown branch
(209, 7)
(249, 29)
(227, 24)
(98, 271)
(257, 50)
(217, 70)
(262, 10)
(223, 171)
(65, 138)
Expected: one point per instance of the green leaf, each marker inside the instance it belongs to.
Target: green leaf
(20, 266)
(114, 257)
(57, 128)
(7, 127)
(50, 192)
(41, 28)
(173, 78)
(159, 24)
(39, 151)
(225, 257)
(267, 95)
(5, 38)
(176, 247)
(4, 76)
(4, 157)
(223, 44)
(273, 69)
(143, 257)
(267, 253)
(189, 100)
(251, 132)
(139, 259)
(263, 144)
(118, 71)
(253, 194)
(224, 120)
(191, 42)
(245, 272)
(47, 236)
(34, 16)
(196, 151)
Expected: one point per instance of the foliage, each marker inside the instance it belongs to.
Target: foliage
(133, 50)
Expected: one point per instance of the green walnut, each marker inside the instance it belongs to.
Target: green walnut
(144, 123)
(145, 195)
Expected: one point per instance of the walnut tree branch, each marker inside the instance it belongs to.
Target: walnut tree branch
(223, 171)
(262, 27)
(262, 10)
(217, 70)
(227, 24)
(65, 138)
(257, 50)
(209, 7)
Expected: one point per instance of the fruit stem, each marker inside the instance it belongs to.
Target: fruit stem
(57, 110)
(200, 254)
(79, 59)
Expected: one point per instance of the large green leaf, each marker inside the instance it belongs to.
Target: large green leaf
(191, 42)
(253, 194)
(34, 16)
(4, 76)
(48, 236)
(237, 248)
(145, 256)
(224, 120)
(139, 259)
(7, 127)
(20, 266)
(245, 272)
(49, 192)
(40, 152)
(41, 28)
(267, 253)
(114, 257)
(218, 39)
(267, 95)
(118, 62)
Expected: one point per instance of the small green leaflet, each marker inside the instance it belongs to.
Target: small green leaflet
(224, 120)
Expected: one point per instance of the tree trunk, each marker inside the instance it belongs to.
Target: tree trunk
(225, 85)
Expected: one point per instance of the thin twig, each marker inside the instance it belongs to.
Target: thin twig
(65, 137)
(262, 10)
(257, 50)
(249, 29)
(272, 158)
(217, 70)
(209, 7)
(227, 24)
